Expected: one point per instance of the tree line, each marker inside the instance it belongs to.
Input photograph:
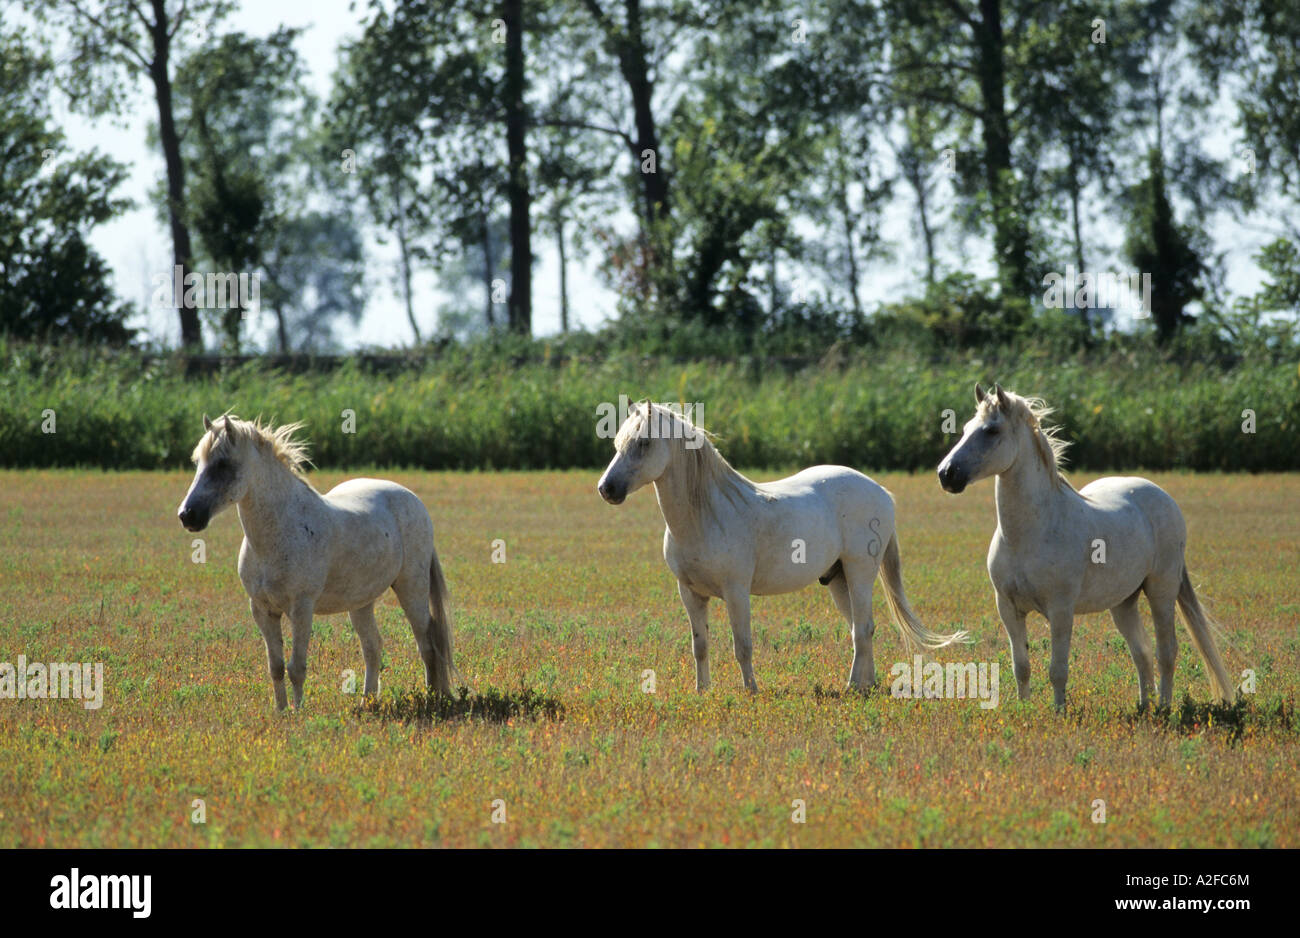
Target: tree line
(728, 164)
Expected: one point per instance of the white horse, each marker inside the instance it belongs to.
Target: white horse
(1061, 552)
(727, 537)
(305, 553)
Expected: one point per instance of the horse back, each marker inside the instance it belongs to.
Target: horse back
(839, 485)
(855, 512)
(379, 507)
(1123, 494)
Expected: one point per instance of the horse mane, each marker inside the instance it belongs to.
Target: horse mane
(291, 452)
(704, 469)
(1032, 411)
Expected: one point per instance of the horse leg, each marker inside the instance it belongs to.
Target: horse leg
(1162, 602)
(697, 608)
(857, 585)
(840, 593)
(1129, 624)
(268, 624)
(1013, 622)
(413, 594)
(363, 621)
(1061, 619)
(737, 601)
(300, 618)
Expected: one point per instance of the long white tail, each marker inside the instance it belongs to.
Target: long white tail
(1202, 628)
(909, 626)
(440, 628)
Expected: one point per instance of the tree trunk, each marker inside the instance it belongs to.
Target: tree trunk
(637, 75)
(628, 44)
(927, 231)
(281, 330)
(1010, 239)
(914, 170)
(564, 269)
(489, 264)
(771, 278)
(404, 248)
(846, 215)
(1084, 316)
(182, 251)
(1078, 232)
(406, 284)
(521, 253)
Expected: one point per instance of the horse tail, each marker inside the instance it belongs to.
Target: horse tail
(1203, 629)
(440, 628)
(909, 626)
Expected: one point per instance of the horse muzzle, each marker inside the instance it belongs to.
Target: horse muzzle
(193, 519)
(951, 479)
(612, 494)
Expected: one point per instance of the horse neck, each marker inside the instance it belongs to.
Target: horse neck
(262, 509)
(1026, 494)
(675, 499)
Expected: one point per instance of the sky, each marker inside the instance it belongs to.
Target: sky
(137, 244)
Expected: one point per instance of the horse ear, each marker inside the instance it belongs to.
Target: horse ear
(207, 424)
(979, 393)
(1001, 395)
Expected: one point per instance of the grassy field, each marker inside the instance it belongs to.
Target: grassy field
(95, 567)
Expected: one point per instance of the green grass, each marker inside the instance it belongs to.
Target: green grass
(897, 412)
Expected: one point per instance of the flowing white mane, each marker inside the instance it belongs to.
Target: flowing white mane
(704, 469)
(292, 453)
(1032, 411)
